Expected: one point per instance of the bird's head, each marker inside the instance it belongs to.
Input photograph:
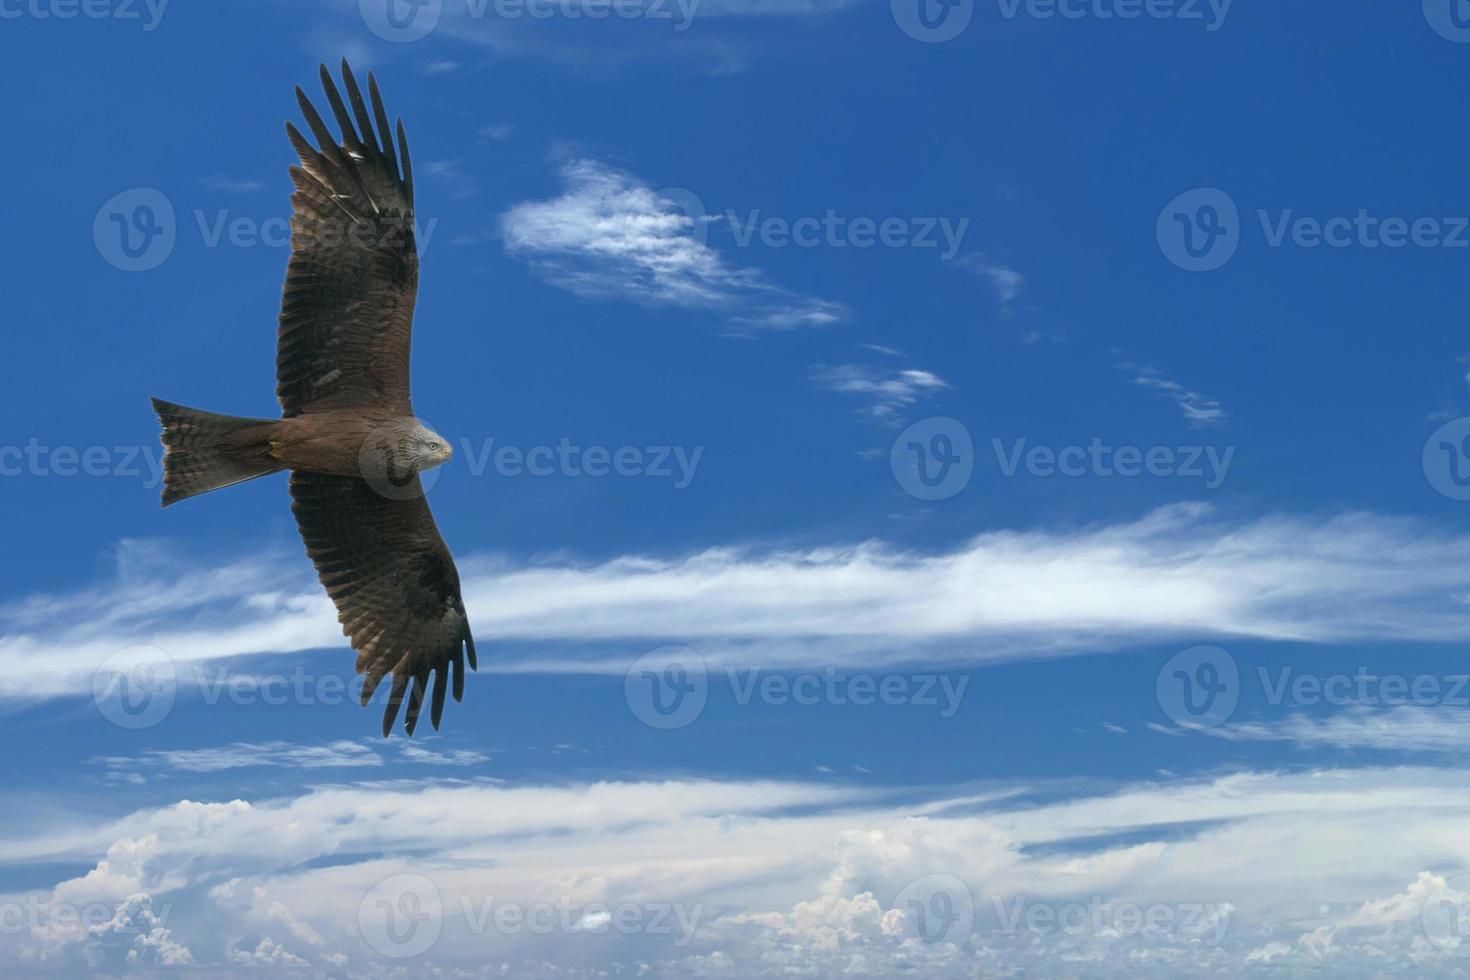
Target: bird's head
(429, 449)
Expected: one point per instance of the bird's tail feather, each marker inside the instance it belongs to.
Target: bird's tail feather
(205, 451)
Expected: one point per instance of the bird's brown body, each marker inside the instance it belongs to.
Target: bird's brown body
(347, 430)
(348, 443)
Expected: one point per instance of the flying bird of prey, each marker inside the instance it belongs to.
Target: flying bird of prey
(348, 433)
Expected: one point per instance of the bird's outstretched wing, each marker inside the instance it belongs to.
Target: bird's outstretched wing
(387, 569)
(347, 307)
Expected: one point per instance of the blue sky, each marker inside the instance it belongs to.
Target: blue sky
(1165, 300)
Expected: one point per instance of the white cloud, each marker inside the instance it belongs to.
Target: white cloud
(242, 755)
(1176, 575)
(340, 754)
(1405, 728)
(1004, 281)
(131, 937)
(267, 952)
(1199, 410)
(610, 235)
(1422, 928)
(801, 313)
(886, 392)
(809, 879)
(417, 753)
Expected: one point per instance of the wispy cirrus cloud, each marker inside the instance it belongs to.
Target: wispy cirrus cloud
(243, 755)
(1401, 728)
(609, 234)
(886, 392)
(1177, 574)
(1200, 411)
(339, 754)
(1005, 282)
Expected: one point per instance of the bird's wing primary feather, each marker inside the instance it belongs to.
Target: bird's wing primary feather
(393, 580)
(347, 306)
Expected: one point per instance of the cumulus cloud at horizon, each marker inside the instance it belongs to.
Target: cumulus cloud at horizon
(764, 878)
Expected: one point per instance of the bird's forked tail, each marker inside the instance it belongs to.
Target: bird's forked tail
(204, 451)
